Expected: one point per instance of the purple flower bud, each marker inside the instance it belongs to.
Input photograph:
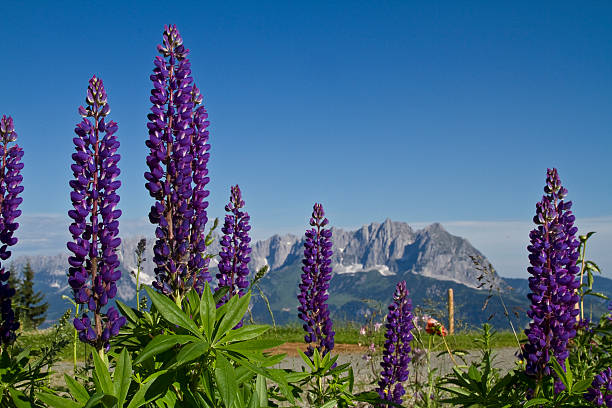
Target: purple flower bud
(553, 256)
(10, 188)
(599, 391)
(178, 156)
(95, 228)
(313, 309)
(235, 248)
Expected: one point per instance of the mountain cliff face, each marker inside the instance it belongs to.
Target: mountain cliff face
(370, 260)
(391, 248)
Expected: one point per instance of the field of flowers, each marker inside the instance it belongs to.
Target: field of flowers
(189, 343)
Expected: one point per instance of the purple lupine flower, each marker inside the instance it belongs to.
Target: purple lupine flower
(94, 265)
(178, 174)
(600, 391)
(10, 188)
(235, 249)
(553, 257)
(313, 295)
(396, 353)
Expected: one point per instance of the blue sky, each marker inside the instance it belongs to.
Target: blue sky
(403, 110)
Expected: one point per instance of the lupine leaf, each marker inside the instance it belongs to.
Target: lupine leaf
(235, 311)
(77, 390)
(127, 311)
(19, 398)
(245, 332)
(123, 377)
(161, 343)
(58, 402)
(107, 399)
(208, 312)
(226, 380)
(171, 312)
(102, 375)
(191, 352)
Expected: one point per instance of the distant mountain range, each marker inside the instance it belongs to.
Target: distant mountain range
(367, 263)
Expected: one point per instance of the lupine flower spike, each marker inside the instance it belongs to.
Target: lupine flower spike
(600, 391)
(235, 249)
(94, 265)
(396, 353)
(313, 295)
(178, 174)
(10, 188)
(553, 257)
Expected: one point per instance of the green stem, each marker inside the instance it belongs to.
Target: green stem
(581, 275)
(74, 345)
(138, 288)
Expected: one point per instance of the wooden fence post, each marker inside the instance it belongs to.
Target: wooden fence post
(451, 312)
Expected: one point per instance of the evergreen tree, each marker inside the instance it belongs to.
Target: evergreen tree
(32, 311)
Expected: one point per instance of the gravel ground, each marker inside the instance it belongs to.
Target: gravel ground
(365, 371)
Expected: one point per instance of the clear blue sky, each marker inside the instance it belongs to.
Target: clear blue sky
(417, 112)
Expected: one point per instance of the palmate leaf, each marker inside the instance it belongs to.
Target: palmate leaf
(122, 377)
(192, 352)
(107, 399)
(232, 313)
(245, 333)
(58, 402)
(163, 342)
(143, 396)
(77, 390)
(226, 380)
(101, 375)
(171, 312)
(208, 312)
(19, 398)
(127, 311)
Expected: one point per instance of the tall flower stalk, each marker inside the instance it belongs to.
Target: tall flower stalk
(313, 309)
(178, 174)
(10, 188)
(94, 265)
(396, 353)
(553, 257)
(235, 248)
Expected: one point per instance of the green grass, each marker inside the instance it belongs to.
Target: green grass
(349, 334)
(345, 334)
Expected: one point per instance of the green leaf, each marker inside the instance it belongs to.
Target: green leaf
(598, 294)
(251, 345)
(58, 402)
(102, 375)
(123, 377)
(208, 312)
(219, 293)
(261, 390)
(141, 398)
(161, 343)
(127, 311)
(559, 371)
(191, 352)
(19, 398)
(77, 390)
(226, 380)
(306, 359)
(235, 309)
(535, 401)
(329, 404)
(245, 333)
(581, 386)
(106, 399)
(592, 266)
(171, 312)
